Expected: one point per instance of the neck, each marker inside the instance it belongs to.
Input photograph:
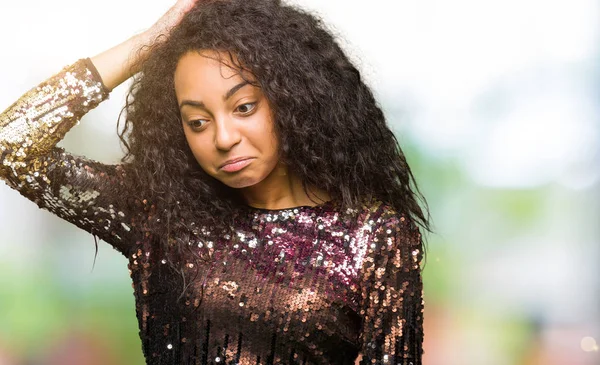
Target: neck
(281, 190)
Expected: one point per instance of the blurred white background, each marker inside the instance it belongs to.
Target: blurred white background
(496, 105)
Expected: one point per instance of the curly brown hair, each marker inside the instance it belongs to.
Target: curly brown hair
(332, 132)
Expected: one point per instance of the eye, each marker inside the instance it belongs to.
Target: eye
(246, 108)
(197, 123)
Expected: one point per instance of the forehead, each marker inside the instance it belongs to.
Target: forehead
(209, 66)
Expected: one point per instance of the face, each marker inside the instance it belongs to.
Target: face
(224, 118)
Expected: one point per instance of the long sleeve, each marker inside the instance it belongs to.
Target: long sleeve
(392, 294)
(84, 192)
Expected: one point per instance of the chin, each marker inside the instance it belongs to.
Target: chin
(239, 182)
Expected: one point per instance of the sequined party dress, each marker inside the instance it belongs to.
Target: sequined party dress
(302, 285)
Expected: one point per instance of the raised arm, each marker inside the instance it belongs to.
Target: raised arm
(81, 191)
(89, 194)
(117, 64)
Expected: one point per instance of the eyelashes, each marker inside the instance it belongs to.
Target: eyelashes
(249, 110)
(245, 110)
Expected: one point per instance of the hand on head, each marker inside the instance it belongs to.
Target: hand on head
(173, 16)
(186, 5)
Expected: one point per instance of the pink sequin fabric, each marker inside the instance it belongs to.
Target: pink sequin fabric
(303, 285)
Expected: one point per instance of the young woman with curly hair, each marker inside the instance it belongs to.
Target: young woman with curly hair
(264, 205)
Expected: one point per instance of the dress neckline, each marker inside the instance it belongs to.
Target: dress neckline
(299, 207)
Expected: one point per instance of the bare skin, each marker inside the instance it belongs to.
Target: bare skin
(225, 118)
(273, 187)
(268, 184)
(118, 63)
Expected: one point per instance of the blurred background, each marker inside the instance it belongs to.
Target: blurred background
(496, 105)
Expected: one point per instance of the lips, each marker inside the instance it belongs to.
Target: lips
(234, 160)
(237, 165)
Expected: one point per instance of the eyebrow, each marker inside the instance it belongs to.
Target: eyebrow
(227, 95)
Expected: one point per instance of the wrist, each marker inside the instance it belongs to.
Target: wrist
(164, 25)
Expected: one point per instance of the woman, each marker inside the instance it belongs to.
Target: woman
(263, 204)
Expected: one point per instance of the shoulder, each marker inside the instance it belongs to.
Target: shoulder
(393, 246)
(374, 221)
(384, 218)
(391, 230)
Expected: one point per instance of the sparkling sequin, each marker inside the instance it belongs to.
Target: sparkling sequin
(303, 285)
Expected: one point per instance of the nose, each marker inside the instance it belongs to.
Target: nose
(227, 134)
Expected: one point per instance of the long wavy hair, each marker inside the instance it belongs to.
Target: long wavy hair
(332, 132)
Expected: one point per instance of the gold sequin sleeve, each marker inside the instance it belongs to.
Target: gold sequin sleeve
(392, 295)
(81, 191)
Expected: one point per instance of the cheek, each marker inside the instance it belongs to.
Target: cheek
(265, 134)
(270, 151)
(272, 147)
(198, 148)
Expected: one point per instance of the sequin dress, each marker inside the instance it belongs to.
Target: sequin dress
(302, 285)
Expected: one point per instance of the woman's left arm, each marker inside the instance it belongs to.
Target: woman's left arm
(392, 294)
